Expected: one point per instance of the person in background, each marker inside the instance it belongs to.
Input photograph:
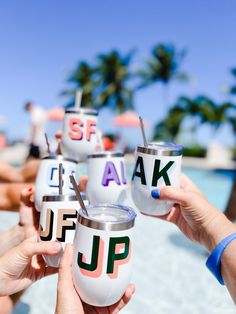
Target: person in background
(26, 173)
(38, 119)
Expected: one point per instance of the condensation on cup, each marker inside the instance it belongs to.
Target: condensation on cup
(103, 253)
(47, 180)
(157, 165)
(79, 137)
(106, 178)
(58, 218)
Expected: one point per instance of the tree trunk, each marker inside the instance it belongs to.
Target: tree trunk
(230, 211)
(165, 96)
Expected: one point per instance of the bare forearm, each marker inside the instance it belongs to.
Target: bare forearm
(11, 238)
(6, 305)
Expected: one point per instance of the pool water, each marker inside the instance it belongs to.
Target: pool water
(215, 184)
(168, 270)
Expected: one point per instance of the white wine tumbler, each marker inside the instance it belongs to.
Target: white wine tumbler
(47, 181)
(102, 261)
(156, 165)
(58, 218)
(79, 138)
(106, 177)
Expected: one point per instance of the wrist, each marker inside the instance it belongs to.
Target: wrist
(213, 262)
(218, 229)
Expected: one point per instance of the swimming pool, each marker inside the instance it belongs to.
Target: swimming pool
(168, 269)
(216, 184)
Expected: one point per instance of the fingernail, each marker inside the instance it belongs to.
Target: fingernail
(30, 190)
(155, 194)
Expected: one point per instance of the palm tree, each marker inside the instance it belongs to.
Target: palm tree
(163, 66)
(82, 77)
(230, 211)
(169, 128)
(202, 107)
(114, 76)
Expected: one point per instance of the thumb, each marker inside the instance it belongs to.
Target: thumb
(65, 275)
(28, 248)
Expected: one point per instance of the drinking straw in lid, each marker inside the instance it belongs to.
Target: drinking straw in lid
(100, 146)
(78, 97)
(48, 144)
(145, 143)
(58, 151)
(60, 179)
(78, 195)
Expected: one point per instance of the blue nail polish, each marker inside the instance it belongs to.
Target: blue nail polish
(155, 194)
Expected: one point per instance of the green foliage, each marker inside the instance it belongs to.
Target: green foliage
(113, 74)
(202, 107)
(82, 77)
(194, 151)
(169, 128)
(163, 65)
(105, 83)
(232, 89)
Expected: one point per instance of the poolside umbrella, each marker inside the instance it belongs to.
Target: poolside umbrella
(56, 114)
(128, 119)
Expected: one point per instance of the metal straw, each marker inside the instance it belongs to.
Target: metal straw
(58, 151)
(48, 144)
(60, 179)
(79, 198)
(143, 132)
(78, 97)
(100, 146)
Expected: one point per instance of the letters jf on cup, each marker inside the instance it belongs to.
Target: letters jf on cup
(58, 218)
(155, 166)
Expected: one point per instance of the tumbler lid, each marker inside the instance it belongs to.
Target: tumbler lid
(63, 198)
(59, 158)
(108, 217)
(161, 149)
(105, 153)
(87, 111)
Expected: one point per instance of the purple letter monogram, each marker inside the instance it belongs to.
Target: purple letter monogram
(122, 172)
(110, 174)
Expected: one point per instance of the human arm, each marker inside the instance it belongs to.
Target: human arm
(10, 195)
(69, 302)
(11, 238)
(27, 226)
(202, 223)
(23, 265)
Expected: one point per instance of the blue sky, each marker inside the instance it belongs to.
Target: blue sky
(42, 41)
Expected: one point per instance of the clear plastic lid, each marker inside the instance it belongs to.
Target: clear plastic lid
(161, 149)
(108, 217)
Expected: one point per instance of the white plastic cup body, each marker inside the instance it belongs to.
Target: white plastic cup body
(155, 166)
(106, 178)
(58, 218)
(47, 180)
(102, 261)
(79, 137)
